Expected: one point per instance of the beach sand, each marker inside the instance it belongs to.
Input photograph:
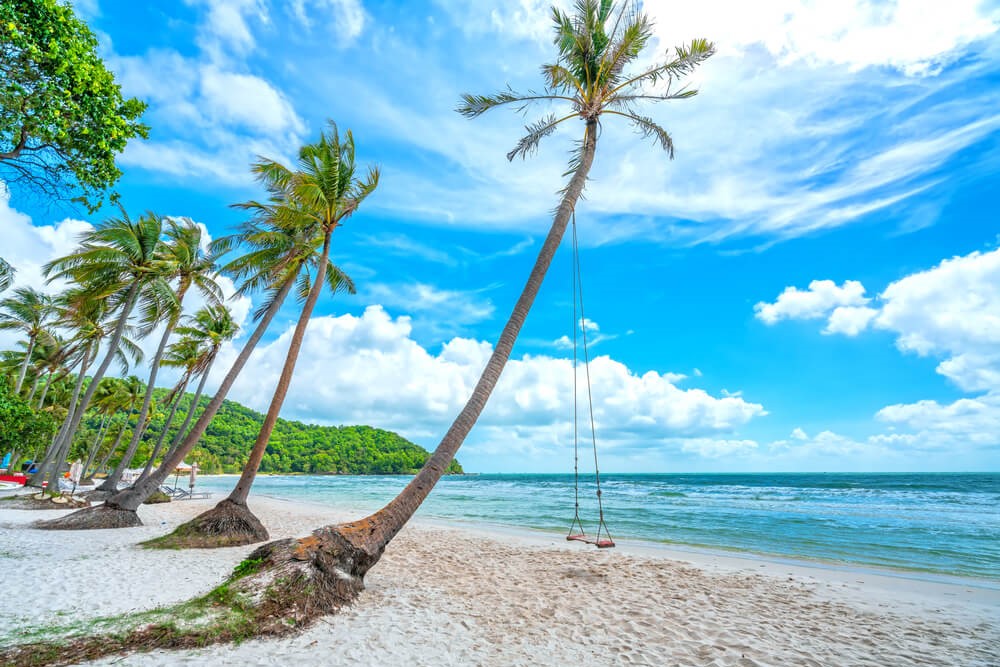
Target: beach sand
(445, 595)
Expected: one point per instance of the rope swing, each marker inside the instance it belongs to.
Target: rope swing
(602, 540)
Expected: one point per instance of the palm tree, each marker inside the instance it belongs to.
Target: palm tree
(85, 314)
(182, 258)
(317, 574)
(28, 312)
(210, 328)
(276, 255)
(6, 274)
(120, 261)
(320, 195)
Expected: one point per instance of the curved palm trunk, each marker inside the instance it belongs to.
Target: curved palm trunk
(47, 461)
(34, 387)
(45, 391)
(111, 450)
(242, 490)
(92, 454)
(24, 365)
(178, 395)
(111, 483)
(375, 531)
(192, 410)
(66, 437)
(119, 510)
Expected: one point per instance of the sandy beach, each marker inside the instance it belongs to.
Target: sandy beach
(445, 595)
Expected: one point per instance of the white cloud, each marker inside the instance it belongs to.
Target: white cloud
(915, 36)
(849, 320)
(816, 144)
(821, 297)
(394, 382)
(962, 423)
(438, 312)
(951, 310)
(214, 118)
(344, 18)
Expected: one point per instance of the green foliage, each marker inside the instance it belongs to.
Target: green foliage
(62, 116)
(21, 427)
(294, 447)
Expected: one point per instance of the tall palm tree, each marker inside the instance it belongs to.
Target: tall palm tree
(317, 574)
(27, 312)
(184, 258)
(6, 274)
(119, 261)
(210, 328)
(274, 258)
(322, 193)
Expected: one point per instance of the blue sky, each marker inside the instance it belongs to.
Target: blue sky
(812, 284)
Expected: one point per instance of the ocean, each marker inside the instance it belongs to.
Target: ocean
(937, 523)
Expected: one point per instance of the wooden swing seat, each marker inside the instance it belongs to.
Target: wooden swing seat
(600, 544)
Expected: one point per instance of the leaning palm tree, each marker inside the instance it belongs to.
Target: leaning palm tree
(322, 193)
(184, 258)
(275, 257)
(120, 261)
(27, 312)
(317, 574)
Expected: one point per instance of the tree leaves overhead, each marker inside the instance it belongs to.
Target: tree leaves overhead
(596, 44)
(63, 118)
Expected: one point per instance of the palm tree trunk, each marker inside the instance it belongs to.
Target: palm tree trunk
(43, 469)
(374, 532)
(179, 394)
(24, 365)
(130, 499)
(92, 454)
(192, 410)
(12, 464)
(116, 337)
(111, 483)
(242, 489)
(34, 387)
(45, 391)
(114, 446)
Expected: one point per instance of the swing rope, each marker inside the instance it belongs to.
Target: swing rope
(602, 528)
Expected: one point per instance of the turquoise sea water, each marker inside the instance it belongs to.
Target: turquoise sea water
(938, 523)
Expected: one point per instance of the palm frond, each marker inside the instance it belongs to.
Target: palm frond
(537, 131)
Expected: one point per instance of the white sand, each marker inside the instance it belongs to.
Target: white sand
(447, 596)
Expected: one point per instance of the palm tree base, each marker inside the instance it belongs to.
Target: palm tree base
(91, 518)
(41, 501)
(280, 589)
(228, 524)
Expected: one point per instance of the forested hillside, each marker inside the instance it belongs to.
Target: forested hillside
(294, 446)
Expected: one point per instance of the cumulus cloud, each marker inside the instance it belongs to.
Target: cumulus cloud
(950, 311)
(215, 117)
(817, 301)
(369, 369)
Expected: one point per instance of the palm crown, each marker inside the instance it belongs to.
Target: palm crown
(595, 46)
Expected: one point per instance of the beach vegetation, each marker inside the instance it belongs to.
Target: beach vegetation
(63, 118)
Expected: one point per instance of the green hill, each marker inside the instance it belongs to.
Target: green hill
(295, 447)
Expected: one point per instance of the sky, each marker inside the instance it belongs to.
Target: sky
(812, 284)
